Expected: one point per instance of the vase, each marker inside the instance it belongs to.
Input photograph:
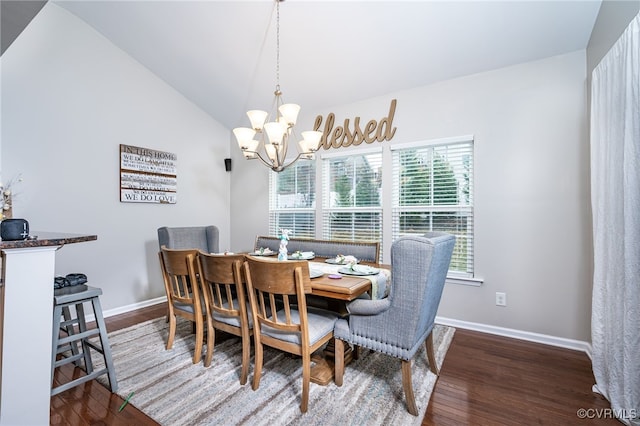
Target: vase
(8, 213)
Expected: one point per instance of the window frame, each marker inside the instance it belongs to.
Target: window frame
(387, 207)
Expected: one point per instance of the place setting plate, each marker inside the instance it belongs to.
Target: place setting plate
(265, 252)
(359, 270)
(304, 255)
(334, 261)
(341, 260)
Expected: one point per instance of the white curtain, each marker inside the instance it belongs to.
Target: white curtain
(615, 194)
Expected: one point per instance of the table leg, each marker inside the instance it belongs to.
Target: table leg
(323, 371)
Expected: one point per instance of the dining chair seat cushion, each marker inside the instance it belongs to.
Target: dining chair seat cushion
(320, 324)
(235, 321)
(368, 307)
(184, 307)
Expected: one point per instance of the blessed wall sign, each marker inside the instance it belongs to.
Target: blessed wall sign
(352, 133)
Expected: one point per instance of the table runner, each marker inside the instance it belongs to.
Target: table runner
(379, 286)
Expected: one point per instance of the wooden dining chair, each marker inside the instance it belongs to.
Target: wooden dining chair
(184, 298)
(276, 286)
(223, 287)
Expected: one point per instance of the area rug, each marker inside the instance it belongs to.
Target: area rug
(173, 391)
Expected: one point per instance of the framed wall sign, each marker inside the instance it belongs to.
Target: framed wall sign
(147, 175)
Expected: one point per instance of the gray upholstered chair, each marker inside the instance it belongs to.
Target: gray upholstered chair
(205, 238)
(400, 323)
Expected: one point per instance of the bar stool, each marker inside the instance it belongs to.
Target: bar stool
(77, 341)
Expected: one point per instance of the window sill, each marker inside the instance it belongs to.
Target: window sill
(476, 282)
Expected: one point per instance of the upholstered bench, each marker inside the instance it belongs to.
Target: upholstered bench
(367, 251)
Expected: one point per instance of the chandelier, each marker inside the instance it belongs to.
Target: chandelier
(275, 129)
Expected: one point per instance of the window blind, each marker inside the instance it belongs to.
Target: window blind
(433, 191)
(352, 197)
(292, 200)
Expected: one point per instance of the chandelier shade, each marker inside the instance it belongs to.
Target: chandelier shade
(289, 113)
(274, 130)
(257, 118)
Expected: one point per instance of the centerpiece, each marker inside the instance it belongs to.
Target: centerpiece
(284, 240)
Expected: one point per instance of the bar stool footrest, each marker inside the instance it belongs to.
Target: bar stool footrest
(68, 360)
(78, 381)
(78, 336)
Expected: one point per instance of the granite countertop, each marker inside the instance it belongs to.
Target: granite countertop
(42, 239)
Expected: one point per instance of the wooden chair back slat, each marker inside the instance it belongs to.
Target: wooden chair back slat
(272, 305)
(287, 309)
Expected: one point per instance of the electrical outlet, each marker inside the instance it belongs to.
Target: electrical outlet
(501, 299)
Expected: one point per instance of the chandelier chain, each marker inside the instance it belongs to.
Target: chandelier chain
(278, 45)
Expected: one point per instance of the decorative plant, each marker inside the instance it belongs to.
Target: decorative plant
(6, 197)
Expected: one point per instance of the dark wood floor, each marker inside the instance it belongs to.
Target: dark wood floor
(485, 380)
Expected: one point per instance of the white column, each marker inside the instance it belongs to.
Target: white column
(25, 388)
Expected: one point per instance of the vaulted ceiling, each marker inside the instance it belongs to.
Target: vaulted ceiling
(222, 54)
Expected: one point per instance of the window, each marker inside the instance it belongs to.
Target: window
(433, 191)
(292, 200)
(352, 197)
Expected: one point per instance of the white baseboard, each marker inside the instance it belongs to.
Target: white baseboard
(519, 334)
(129, 308)
(134, 306)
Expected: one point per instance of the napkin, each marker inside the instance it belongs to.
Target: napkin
(264, 251)
(302, 255)
(363, 269)
(345, 260)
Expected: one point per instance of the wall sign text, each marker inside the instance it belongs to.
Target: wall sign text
(353, 134)
(147, 175)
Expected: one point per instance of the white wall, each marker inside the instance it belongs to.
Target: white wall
(69, 98)
(531, 189)
(613, 18)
